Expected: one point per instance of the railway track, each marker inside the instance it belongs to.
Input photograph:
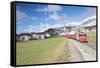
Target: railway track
(83, 50)
(90, 45)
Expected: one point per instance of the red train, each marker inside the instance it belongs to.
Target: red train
(82, 37)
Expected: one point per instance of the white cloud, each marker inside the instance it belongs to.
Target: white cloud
(54, 8)
(54, 11)
(34, 18)
(46, 26)
(20, 15)
(30, 28)
(73, 23)
(55, 16)
(50, 8)
(23, 17)
(42, 27)
(91, 17)
(80, 22)
(19, 22)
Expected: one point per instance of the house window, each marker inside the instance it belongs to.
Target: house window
(23, 38)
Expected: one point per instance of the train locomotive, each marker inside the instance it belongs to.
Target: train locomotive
(82, 37)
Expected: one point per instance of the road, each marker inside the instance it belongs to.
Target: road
(80, 52)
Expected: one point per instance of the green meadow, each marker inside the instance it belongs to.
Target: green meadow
(39, 51)
(91, 37)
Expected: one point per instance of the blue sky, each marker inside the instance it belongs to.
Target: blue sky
(39, 17)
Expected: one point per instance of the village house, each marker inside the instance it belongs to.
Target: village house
(47, 35)
(40, 35)
(34, 36)
(25, 36)
(91, 28)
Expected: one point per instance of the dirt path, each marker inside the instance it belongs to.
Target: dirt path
(59, 55)
(74, 53)
(71, 51)
(80, 52)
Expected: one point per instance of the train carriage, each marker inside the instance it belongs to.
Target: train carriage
(82, 37)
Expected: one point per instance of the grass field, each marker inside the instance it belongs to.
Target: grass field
(40, 51)
(91, 37)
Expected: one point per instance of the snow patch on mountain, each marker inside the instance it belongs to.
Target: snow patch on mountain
(90, 21)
